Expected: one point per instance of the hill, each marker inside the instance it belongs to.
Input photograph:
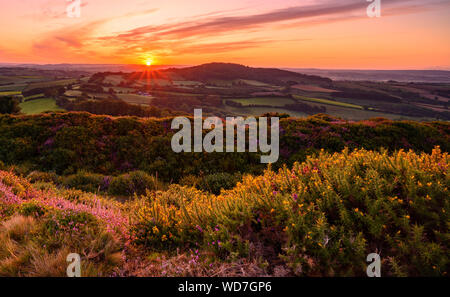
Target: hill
(68, 142)
(229, 71)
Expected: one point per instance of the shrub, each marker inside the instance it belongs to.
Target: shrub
(190, 180)
(85, 181)
(32, 208)
(214, 183)
(66, 143)
(38, 176)
(136, 182)
(9, 105)
(322, 217)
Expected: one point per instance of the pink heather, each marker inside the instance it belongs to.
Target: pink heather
(115, 221)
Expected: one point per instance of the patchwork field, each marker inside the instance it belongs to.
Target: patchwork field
(39, 105)
(269, 101)
(312, 88)
(326, 101)
(50, 84)
(135, 99)
(9, 93)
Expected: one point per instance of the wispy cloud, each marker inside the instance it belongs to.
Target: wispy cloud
(213, 32)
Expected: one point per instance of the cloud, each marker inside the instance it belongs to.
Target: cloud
(195, 35)
(228, 24)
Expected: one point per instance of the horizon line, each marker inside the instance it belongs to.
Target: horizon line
(431, 68)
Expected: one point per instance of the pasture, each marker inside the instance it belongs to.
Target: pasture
(39, 105)
(268, 101)
(135, 99)
(329, 102)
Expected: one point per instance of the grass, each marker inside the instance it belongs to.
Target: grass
(257, 111)
(189, 83)
(135, 99)
(114, 79)
(73, 93)
(326, 101)
(39, 105)
(33, 97)
(155, 93)
(9, 93)
(271, 101)
(14, 87)
(312, 88)
(151, 81)
(47, 84)
(254, 83)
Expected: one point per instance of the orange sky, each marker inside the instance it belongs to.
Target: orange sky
(410, 34)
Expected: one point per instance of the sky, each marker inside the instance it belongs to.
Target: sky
(335, 34)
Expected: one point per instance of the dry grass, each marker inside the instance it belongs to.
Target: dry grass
(22, 253)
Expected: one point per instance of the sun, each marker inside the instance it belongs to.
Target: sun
(149, 62)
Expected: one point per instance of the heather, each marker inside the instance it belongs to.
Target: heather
(39, 227)
(320, 217)
(67, 143)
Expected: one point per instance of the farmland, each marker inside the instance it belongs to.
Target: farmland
(37, 106)
(210, 87)
(269, 101)
(329, 102)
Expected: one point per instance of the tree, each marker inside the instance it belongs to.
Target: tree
(9, 105)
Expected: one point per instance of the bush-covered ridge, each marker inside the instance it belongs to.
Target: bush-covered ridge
(69, 142)
(320, 218)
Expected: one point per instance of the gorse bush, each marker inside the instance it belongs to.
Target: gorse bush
(214, 183)
(136, 182)
(38, 176)
(322, 217)
(67, 143)
(88, 182)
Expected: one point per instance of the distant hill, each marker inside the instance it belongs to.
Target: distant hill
(429, 76)
(229, 71)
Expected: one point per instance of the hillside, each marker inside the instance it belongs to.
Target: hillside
(223, 90)
(68, 142)
(229, 71)
(318, 218)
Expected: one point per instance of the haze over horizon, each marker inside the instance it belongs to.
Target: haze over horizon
(319, 34)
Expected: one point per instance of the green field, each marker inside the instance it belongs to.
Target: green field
(73, 93)
(39, 106)
(135, 99)
(270, 101)
(119, 89)
(326, 101)
(148, 81)
(254, 83)
(33, 97)
(257, 111)
(48, 84)
(189, 83)
(155, 93)
(9, 93)
(15, 87)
